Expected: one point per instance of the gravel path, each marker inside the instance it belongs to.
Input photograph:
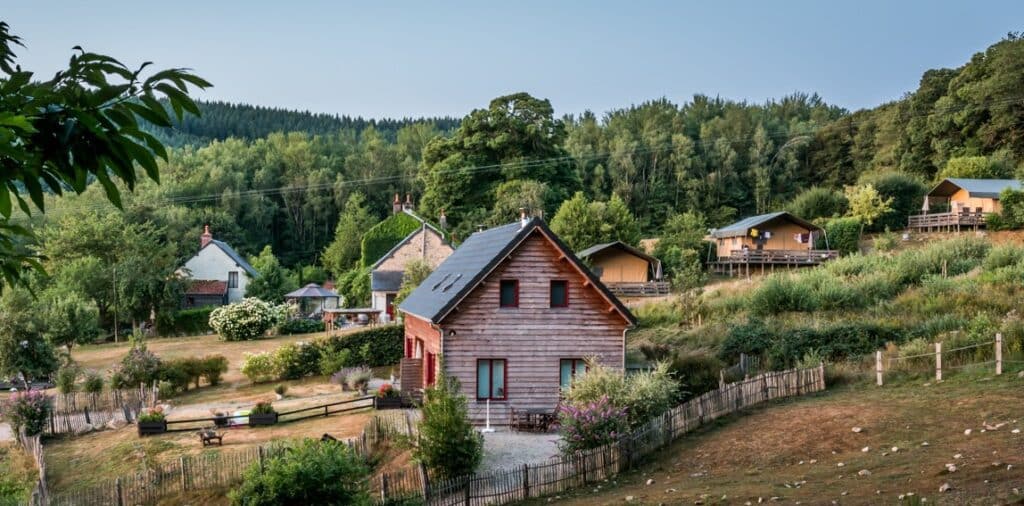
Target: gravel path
(504, 449)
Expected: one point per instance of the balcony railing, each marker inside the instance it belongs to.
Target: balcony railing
(648, 289)
(776, 256)
(948, 219)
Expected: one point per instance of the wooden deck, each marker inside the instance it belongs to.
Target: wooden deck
(947, 221)
(648, 289)
(739, 262)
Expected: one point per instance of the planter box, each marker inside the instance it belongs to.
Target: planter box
(388, 402)
(150, 428)
(262, 419)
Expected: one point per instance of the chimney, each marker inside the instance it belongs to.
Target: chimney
(396, 206)
(206, 237)
(523, 220)
(408, 202)
(443, 221)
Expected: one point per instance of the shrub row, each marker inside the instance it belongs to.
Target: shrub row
(785, 347)
(300, 326)
(186, 322)
(374, 347)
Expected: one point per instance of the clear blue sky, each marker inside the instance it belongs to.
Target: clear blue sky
(397, 58)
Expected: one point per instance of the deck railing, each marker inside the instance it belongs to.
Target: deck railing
(775, 256)
(648, 289)
(948, 219)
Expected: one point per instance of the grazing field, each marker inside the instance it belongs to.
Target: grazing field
(807, 450)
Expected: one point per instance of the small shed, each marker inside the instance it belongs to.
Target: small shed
(313, 299)
(618, 262)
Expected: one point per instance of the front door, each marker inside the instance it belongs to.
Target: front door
(389, 303)
(431, 365)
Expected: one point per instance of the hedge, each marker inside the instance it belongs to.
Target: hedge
(185, 322)
(300, 326)
(375, 346)
(380, 238)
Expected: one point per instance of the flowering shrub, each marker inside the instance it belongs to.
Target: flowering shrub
(642, 396)
(590, 425)
(248, 319)
(386, 391)
(28, 411)
(139, 366)
(359, 378)
(260, 367)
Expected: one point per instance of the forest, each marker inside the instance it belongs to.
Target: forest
(296, 191)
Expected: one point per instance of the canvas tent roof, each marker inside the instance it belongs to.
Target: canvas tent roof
(741, 227)
(977, 188)
(310, 291)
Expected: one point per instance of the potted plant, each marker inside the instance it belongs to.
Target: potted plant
(387, 397)
(359, 379)
(262, 414)
(152, 421)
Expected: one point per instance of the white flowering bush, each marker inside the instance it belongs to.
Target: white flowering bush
(248, 319)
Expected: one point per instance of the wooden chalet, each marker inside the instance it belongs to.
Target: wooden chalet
(514, 313)
(956, 202)
(625, 270)
(768, 240)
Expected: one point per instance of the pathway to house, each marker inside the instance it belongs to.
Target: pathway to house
(505, 449)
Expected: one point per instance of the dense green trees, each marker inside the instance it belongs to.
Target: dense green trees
(582, 223)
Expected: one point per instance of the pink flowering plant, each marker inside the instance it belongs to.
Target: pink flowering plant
(590, 425)
(28, 411)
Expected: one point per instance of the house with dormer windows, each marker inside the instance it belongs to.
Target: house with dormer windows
(514, 314)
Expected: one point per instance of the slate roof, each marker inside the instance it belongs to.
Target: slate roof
(471, 262)
(619, 245)
(977, 188)
(740, 227)
(385, 281)
(207, 287)
(311, 290)
(250, 270)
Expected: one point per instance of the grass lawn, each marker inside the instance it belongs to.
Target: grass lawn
(18, 474)
(793, 450)
(112, 453)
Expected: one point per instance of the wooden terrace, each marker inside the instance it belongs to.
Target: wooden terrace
(948, 221)
(739, 262)
(648, 289)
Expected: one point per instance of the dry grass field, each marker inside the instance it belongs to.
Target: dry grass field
(805, 451)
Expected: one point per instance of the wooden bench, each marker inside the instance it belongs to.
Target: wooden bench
(208, 437)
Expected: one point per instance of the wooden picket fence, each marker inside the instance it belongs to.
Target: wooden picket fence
(33, 445)
(215, 469)
(108, 400)
(563, 473)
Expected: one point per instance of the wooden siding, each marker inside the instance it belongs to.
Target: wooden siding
(617, 266)
(418, 328)
(533, 337)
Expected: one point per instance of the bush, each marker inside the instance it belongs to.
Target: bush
(816, 202)
(782, 293)
(297, 360)
(354, 287)
(307, 472)
(93, 383)
(281, 389)
(139, 367)
(177, 375)
(246, 320)
(375, 347)
(906, 192)
(66, 378)
(359, 377)
(260, 367)
(1003, 256)
(332, 361)
(753, 338)
(213, 367)
(592, 425)
(447, 443)
(886, 241)
(186, 322)
(695, 375)
(642, 395)
(841, 234)
(27, 411)
(300, 326)
(263, 408)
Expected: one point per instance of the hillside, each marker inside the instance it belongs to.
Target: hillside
(805, 450)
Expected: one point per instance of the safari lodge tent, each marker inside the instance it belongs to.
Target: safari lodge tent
(767, 240)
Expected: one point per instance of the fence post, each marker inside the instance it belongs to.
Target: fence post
(184, 477)
(425, 482)
(821, 376)
(526, 481)
(119, 492)
(878, 368)
(87, 420)
(384, 487)
(999, 354)
(764, 387)
(259, 457)
(466, 495)
(938, 361)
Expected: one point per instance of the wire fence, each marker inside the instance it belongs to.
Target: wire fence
(941, 360)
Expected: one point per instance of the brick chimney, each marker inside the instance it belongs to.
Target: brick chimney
(396, 205)
(206, 237)
(408, 202)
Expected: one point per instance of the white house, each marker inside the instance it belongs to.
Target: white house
(219, 274)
